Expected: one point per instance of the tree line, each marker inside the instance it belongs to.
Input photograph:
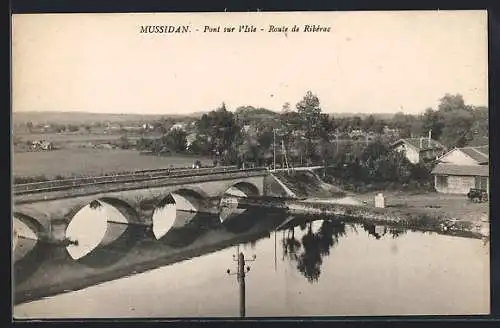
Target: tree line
(304, 135)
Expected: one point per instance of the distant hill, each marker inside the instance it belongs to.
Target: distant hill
(245, 113)
(250, 113)
(84, 118)
(379, 116)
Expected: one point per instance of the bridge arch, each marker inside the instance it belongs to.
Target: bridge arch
(177, 209)
(96, 224)
(28, 253)
(230, 211)
(125, 209)
(27, 226)
(242, 189)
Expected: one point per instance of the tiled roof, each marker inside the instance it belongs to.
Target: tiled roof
(467, 170)
(415, 142)
(479, 154)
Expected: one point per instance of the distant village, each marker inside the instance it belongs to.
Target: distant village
(451, 150)
(153, 130)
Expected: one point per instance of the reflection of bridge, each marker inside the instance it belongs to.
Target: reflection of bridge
(44, 270)
(47, 208)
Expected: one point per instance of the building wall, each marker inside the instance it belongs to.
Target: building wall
(458, 158)
(454, 184)
(410, 153)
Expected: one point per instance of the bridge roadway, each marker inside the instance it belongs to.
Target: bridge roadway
(47, 211)
(52, 185)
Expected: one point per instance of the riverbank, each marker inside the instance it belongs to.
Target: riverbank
(450, 214)
(407, 218)
(452, 206)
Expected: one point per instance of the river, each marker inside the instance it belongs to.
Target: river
(319, 268)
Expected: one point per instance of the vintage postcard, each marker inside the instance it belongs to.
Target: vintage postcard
(250, 164)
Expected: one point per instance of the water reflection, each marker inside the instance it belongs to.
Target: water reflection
(198, 225)
(367, 270)
(244, 220)
(28, 255)
(88, 228)
(309, 250)
(374, 230)
(128, 249)
(119, 240)
(397, 232)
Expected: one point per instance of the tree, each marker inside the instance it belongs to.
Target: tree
(72, 128)
(265, 139)
(310, 112)
(457, 128)
(291, 121)
(327, 126)
(201, 145)
(433, 121)
(286, 107)
(222, 107)
(368, 123)
(123, 142)
(378, 126)
(403, 122)
(455, 120)
(176, 140)
(450, 103)
(224, 131)
(144, 144)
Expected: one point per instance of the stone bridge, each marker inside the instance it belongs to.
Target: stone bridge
(48, 214)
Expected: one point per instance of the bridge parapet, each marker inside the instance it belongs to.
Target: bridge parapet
(52, 185)
(91, 189)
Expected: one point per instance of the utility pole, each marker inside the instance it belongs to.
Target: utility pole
(275, 262)
(274, 149)
(240, 276)
(283, 149)
(337, 139)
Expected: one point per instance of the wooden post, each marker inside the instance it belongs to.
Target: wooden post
(275, 263)
(337, 140)
(274, 149)
(241, 276)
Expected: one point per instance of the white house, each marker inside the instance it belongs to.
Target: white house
(147, 126)
(461, 169)
(419, 149)
(180, 126)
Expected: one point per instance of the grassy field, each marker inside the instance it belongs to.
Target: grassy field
(68, 137)
(84, 162)
(73, 140)
(456, 206)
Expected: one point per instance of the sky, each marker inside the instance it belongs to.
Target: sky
(369, 62)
